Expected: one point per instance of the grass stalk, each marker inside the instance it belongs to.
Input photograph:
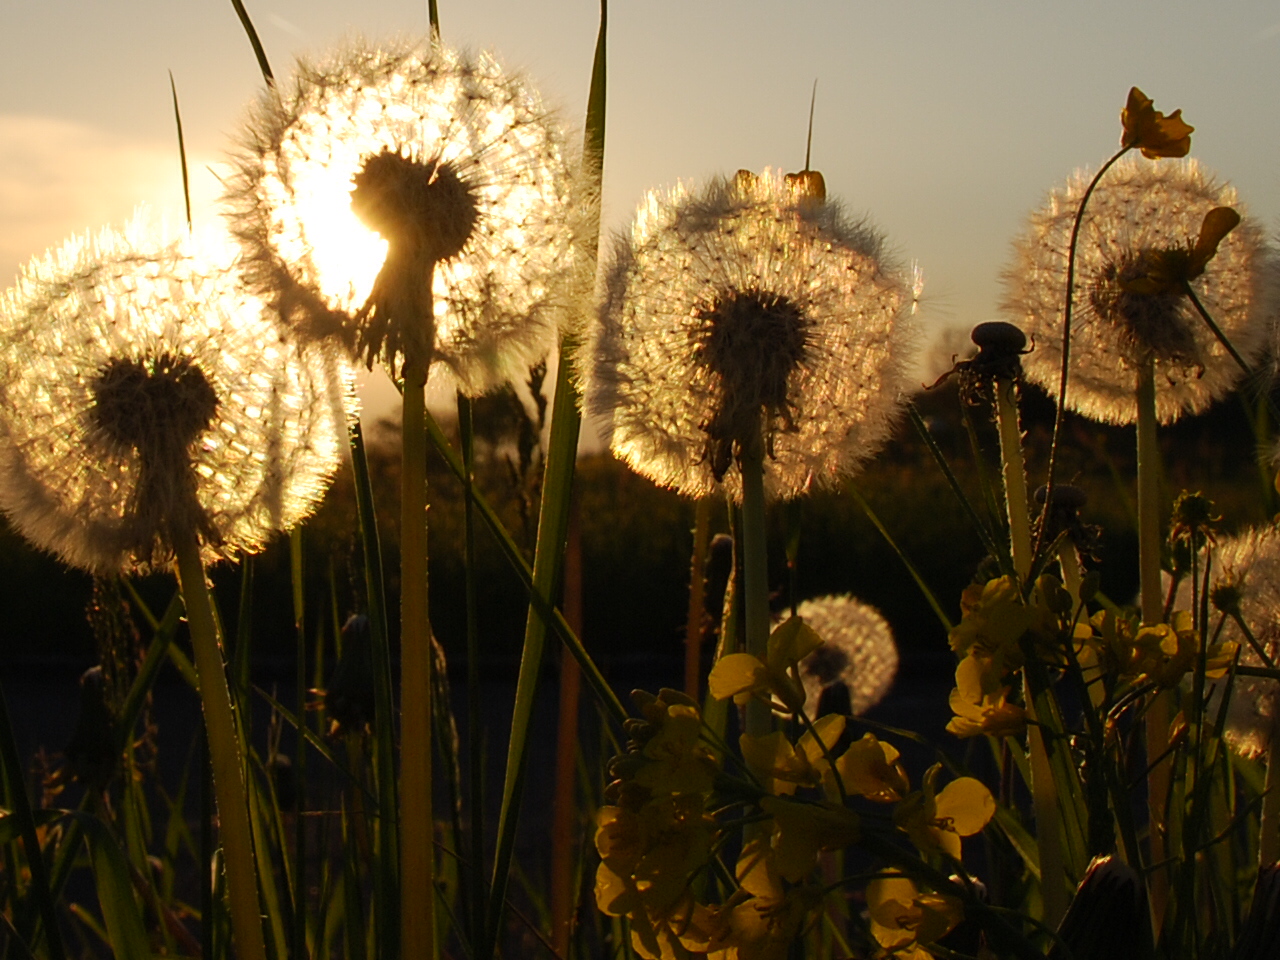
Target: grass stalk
(417, 820)
(1015, 476)
(1269, 835)
(298, 944)
(755, 576)
(697, 596)
(1150, 537)
(225, 755)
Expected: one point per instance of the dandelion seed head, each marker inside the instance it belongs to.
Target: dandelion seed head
(740, 310)
(383, 169)
(859, 652)
(142, 388)
(1248, 574)
(1139, 209)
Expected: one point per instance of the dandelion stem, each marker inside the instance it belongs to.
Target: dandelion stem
(417, 851)
(1066, 344)
(1149, 538)
(229, 785)
(755, 576)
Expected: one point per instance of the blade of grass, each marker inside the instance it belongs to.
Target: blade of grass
(252, 34)
(298, 935)
(125, 930)
(553, 517)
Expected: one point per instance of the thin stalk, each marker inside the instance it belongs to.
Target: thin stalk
(387, 864)
(298, 946)
(1066, 343)
(697, 596)
(1149, 540)
(230, 789)
(417, 820)
(755, 577)
(475, 741)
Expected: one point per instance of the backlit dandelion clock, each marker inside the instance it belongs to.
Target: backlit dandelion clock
(1140, 211)
(392, 182)
(742, 313)
(859, 653)
(143, 391)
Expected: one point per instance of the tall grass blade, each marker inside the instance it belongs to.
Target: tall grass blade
(553, 520)
(298, 935)
(125, 930)
(182, 150)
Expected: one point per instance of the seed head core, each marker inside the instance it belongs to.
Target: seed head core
(1153, 322)
(753, 341)
(158, 405)
(424, 205)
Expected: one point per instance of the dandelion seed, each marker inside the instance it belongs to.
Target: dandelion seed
(1139, 213)
(747, 309)
(384, 171)
(126, 367)
(859, 653)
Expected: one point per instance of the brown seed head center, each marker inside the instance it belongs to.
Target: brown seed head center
(425, 206)
(157, 405)
(1152, 323)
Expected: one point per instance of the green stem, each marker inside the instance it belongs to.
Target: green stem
(1269, 841)
(755, 577)
(417, 820)
(697, 596)
(225, 757)
(1150, 536)
(1015, 476)
(298, 947)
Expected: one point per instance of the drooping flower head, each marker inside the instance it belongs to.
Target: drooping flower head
(1143, 216)
(859, 653)
(389, 181)
(142, 389)
(1248, 581)
(747, 312)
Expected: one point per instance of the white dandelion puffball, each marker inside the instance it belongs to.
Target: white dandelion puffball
(1248, 569)
(382, 169)
(859, 652)
(143, 389)
(1139, 208)
(745, 308)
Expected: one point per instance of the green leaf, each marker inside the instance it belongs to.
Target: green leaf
(120, 912)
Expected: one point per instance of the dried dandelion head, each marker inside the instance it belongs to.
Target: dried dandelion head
(143, 391)
(1141, 215)
(747, 313)
(411, 203)
(1248, 583)
(859, 653)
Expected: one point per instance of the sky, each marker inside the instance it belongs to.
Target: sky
(945, 122)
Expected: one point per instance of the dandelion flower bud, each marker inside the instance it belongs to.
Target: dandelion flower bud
(747, 313)
(859, 653)
(142, 391)
(386, 183)
(1141, 217)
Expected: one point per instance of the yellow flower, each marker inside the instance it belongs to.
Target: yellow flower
(680, 762)
(980, 704)
(1150, 131)
(780, 767)
(904, 920)
(1164, 272)
(742, 676)
(870, 768)
(994, 618)
(936, 822)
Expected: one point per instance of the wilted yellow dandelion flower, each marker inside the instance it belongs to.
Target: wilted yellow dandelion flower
(142, 391)
(741, 313)
(1139, 213)
(385, 170)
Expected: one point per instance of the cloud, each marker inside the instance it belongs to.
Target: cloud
(59, 178)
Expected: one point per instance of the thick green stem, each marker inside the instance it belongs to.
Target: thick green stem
(1150, 536)
(417, 834)
(225, 756)
(1015, 476)
(755, 578)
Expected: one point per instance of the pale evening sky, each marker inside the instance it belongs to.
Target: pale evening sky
(945, 121)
